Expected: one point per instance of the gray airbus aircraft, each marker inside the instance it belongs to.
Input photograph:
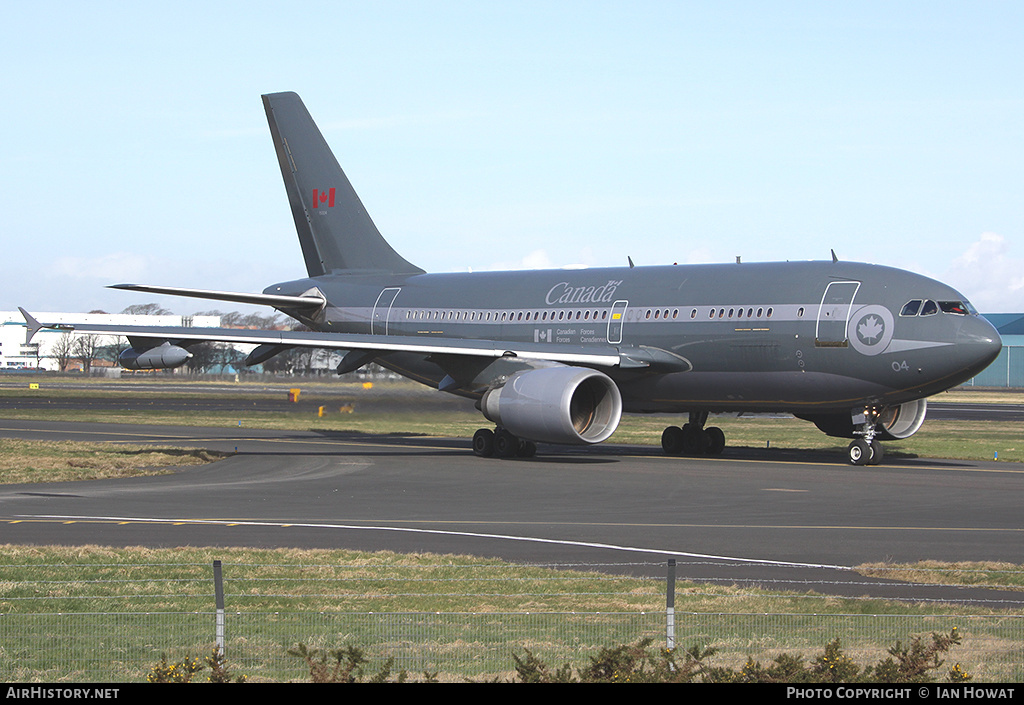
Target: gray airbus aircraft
(557, 356)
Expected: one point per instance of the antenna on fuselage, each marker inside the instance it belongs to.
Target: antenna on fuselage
(834, 258)
(630, 260)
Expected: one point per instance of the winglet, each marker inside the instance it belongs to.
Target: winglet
(33, 325)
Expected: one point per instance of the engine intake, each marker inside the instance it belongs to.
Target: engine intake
(570, 405)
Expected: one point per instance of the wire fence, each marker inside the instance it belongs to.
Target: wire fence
(113, 623)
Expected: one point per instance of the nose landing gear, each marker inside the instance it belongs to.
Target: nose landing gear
(865, 450)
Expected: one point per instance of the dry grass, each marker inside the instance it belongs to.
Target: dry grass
(49, 461)
(86, 578)
(1005, 576)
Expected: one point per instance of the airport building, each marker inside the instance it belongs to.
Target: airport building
(1008, 368)
(55, 350)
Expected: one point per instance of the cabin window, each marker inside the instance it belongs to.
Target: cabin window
(800, 312)
(769, 312)
(693, 313)
(911, 308)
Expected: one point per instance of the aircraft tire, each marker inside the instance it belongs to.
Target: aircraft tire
(483, 443)
(527, 449)
(859, 452)
(716, 440)
(695, 440)
(672, 440)
(506, 445)
(877, 453)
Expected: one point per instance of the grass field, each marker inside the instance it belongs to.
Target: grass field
(97, 613)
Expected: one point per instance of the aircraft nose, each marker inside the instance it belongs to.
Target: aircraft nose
(980, 341)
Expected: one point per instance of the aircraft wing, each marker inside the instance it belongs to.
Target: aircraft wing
(593, 356)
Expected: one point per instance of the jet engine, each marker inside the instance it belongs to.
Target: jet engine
(569, 405)
(159, 357)
(894, 422)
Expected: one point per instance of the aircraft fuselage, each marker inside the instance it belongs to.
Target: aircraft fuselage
(787, 336)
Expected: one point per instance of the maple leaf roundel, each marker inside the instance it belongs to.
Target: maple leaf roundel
(870, 329)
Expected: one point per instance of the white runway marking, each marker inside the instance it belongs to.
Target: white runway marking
(439, 532)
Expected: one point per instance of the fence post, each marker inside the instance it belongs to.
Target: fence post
(218, 591)
(670, 606)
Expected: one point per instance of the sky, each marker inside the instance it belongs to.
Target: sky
(511, 135)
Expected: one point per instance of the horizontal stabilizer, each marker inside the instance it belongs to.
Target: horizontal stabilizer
(306, 301)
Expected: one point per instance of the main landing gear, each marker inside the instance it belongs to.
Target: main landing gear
(501, 443)
(693, 438)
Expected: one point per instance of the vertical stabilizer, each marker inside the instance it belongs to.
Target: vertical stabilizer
(335, 231)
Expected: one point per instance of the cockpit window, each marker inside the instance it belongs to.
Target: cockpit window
(956, 307)
(911, 308)
(929, 308)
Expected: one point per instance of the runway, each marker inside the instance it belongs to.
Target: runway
(788, 521)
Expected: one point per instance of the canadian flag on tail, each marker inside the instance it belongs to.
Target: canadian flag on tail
(322, 198)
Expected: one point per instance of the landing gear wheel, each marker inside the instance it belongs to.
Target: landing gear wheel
(506, 445)
(527, 449)
(672, 440)
(877, 453)
(859, 452)
(695, 440)
(716, 440)
(483, 443)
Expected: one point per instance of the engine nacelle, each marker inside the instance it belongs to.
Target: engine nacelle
(902, 421)
(894, 422)
(160, 357)
(569, 405)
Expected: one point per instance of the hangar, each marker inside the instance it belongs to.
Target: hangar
(1008, 368)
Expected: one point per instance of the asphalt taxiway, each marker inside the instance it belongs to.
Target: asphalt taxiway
(786, 519)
